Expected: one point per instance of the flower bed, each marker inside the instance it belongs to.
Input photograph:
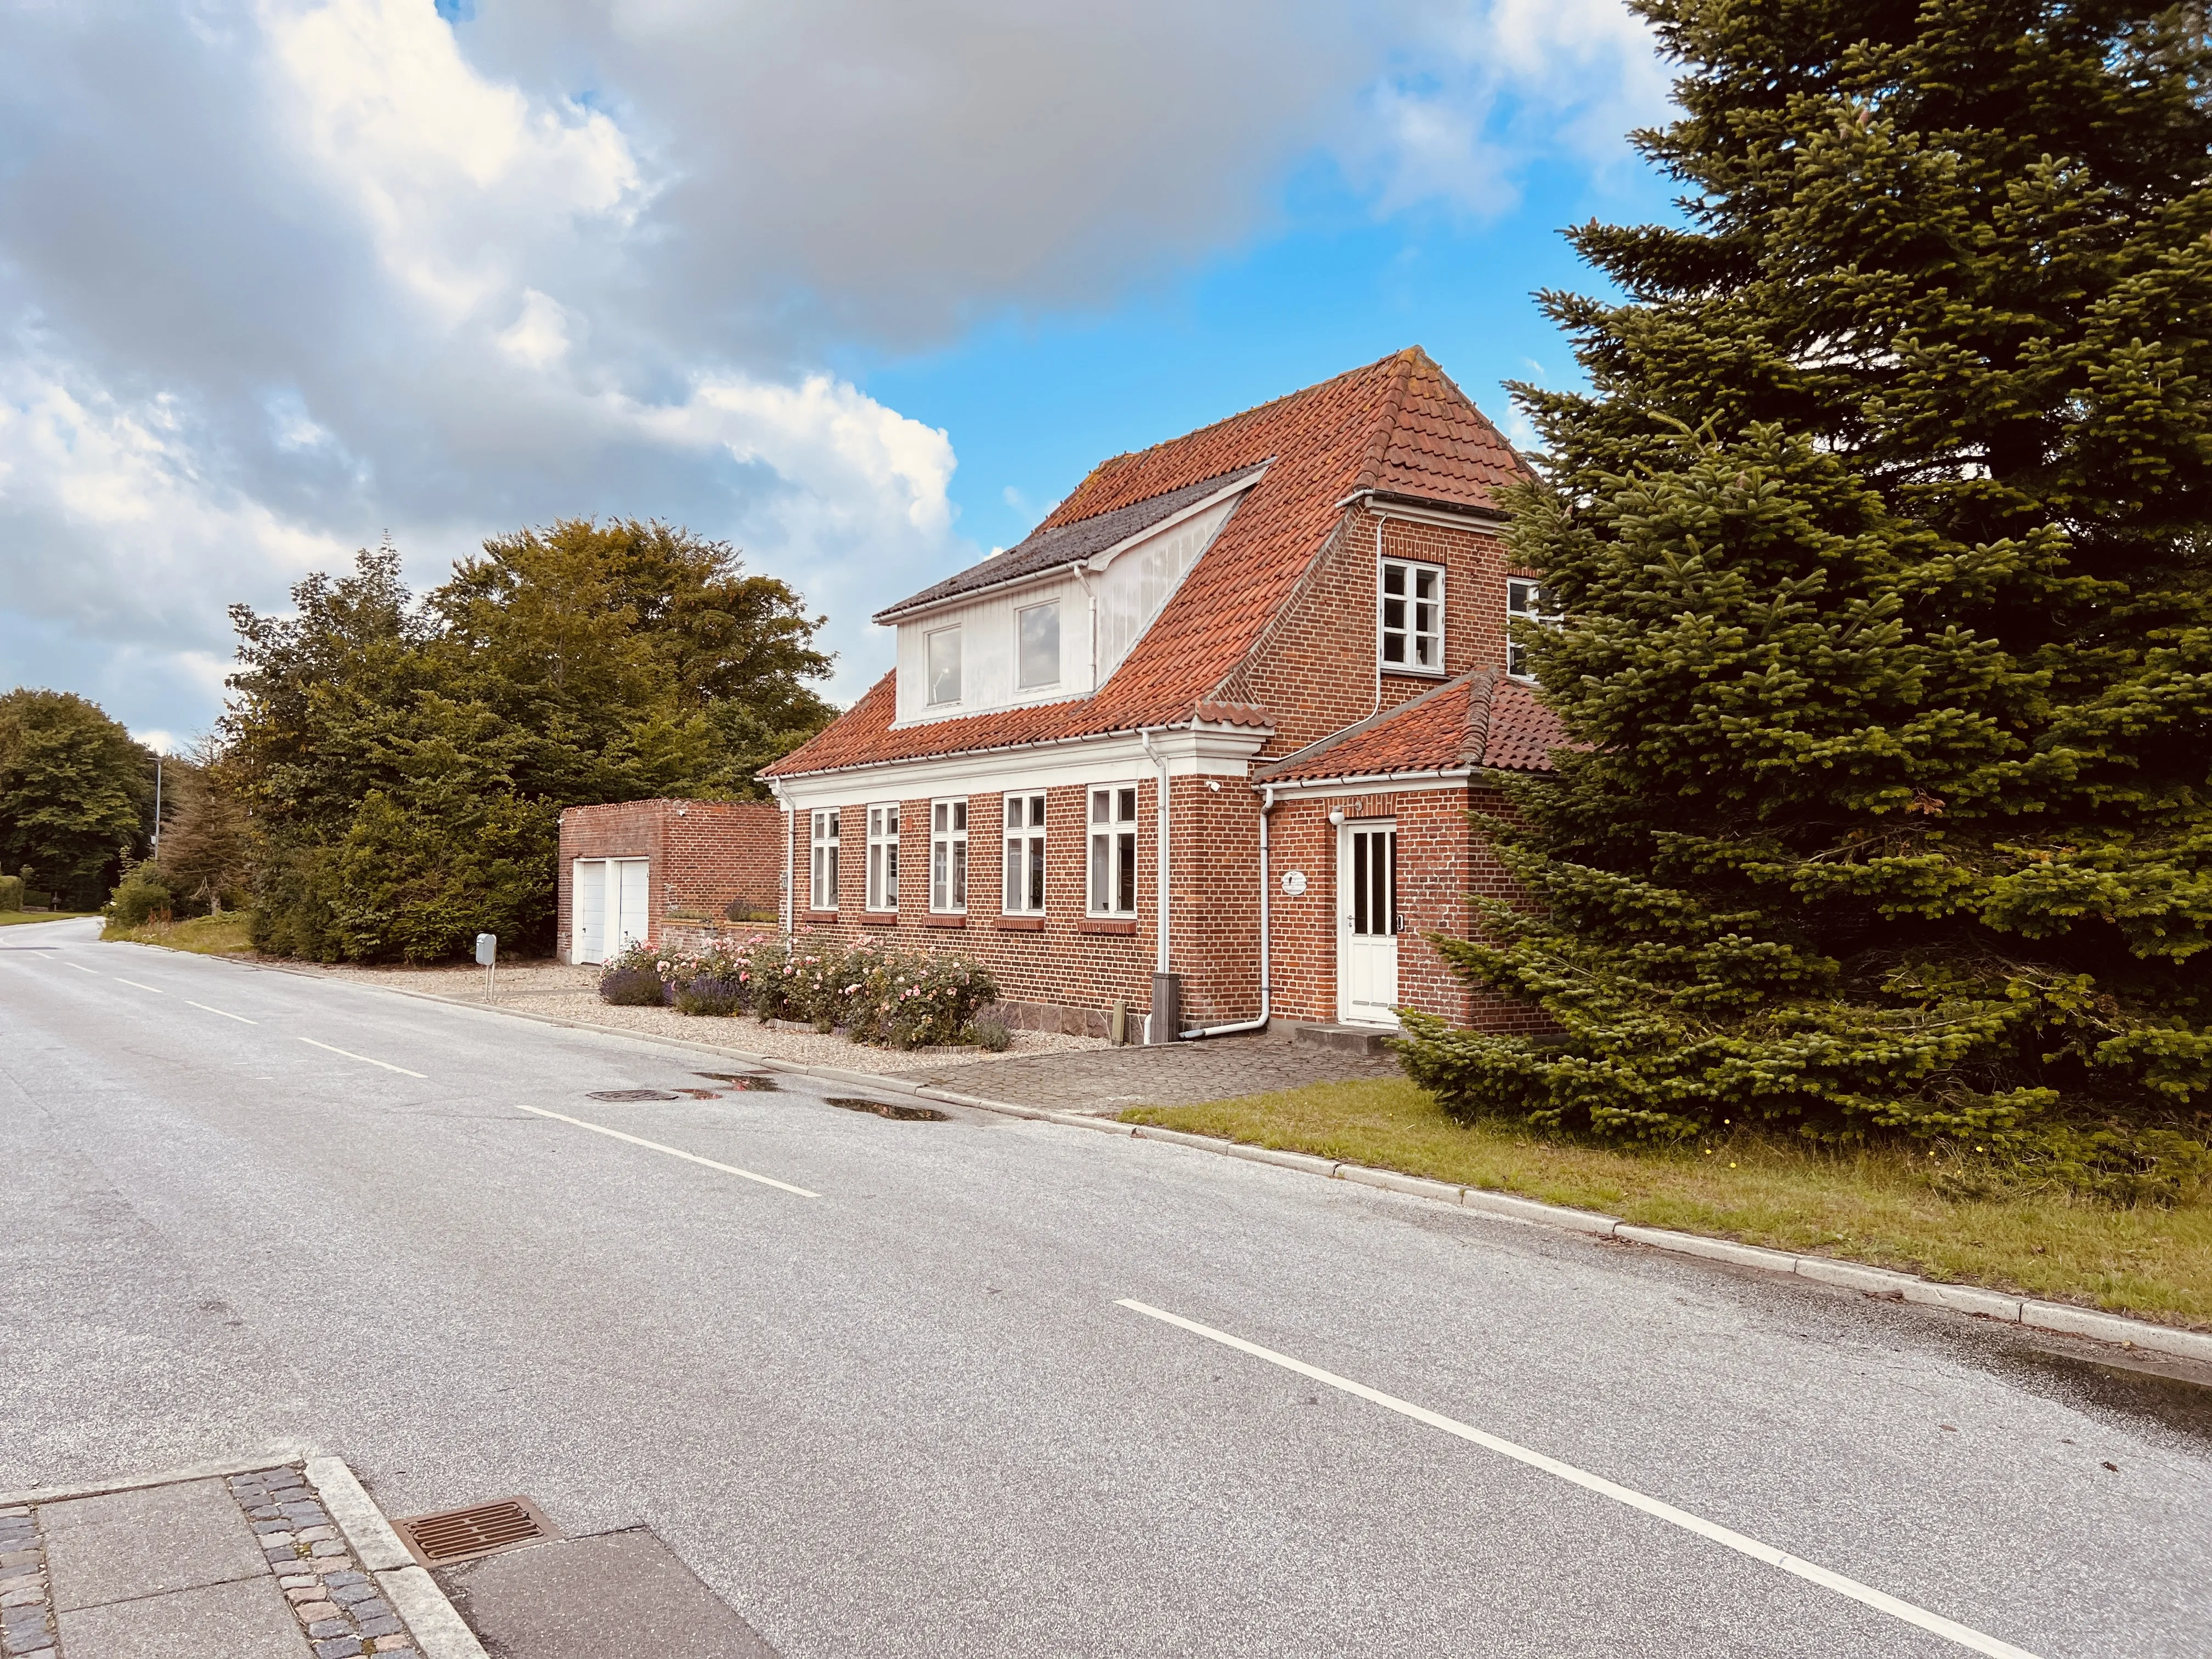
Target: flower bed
(875, 993)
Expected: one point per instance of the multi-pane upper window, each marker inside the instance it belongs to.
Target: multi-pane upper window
(944, 665)
(823, 839)
(1024, 891)
(1114, 851)
(948, 855)
(1525, 601)
(1036, 642)
(883, 857)
(1413, 616)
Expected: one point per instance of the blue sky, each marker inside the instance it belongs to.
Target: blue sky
(861, 287)
(1033, 402)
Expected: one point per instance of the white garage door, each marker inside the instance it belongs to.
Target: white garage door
(609, 898)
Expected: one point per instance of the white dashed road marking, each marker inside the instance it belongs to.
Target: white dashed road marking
(689, 1157)
(205, 1009)
(156, 989)
(364, 1059)
(1919, 1618)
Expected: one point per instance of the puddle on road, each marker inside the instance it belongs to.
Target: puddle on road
(753, 1082)
(2146, 1391)
(884, 1108)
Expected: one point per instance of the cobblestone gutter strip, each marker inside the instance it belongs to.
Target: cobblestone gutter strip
(26, 1624)
(337, 1605)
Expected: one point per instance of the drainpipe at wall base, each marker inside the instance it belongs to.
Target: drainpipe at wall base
(1267, 970)
(1160, 1024)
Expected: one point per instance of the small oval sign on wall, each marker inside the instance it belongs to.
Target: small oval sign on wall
(1294, 881)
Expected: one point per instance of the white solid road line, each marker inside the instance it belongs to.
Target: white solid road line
(205, 1009)
(1919, 1618)
(689, 1157)
(156, 989)
(364, 1059)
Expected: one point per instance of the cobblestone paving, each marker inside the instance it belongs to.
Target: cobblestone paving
(27, 1626)
(337, 1604)
(1108, 1080)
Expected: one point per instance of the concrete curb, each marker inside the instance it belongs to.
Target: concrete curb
(275, 1457)
(2059, 1317)
(440, 1632)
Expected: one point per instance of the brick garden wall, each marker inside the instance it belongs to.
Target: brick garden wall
(706, 857)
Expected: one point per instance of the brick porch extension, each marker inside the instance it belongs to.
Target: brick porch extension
(1109, 1080)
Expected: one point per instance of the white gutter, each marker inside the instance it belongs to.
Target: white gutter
(1267, 967)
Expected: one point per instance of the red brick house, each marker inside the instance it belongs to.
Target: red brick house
(1269, 658)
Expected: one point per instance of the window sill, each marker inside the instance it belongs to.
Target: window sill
(1022, 924)
(817, 915)
(945, 921)
(1107, 925)
(879, 919)
(1393, 671)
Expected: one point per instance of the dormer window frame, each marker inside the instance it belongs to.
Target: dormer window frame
(1420, 600)
(933, 674)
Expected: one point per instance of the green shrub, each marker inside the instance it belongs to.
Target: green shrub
(141, 894)
(632, 988)
(767, 979)
(709, 993)
(988, 1032)
(11, 892)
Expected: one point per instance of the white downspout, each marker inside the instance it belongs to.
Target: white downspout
(1160, 881)
(1090, 613)
(1266, 959)
(786, 907)
(1378, 616)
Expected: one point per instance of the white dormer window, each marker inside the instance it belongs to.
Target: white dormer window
(1037, 642)
(1525, 601)
(1413, 617)
(944, 666)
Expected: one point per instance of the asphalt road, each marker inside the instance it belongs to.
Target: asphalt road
(911, 1415)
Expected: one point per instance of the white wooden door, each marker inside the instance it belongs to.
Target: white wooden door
(1367, 922)
(629, 882)
(587, 911)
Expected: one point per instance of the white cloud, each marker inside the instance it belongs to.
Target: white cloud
(276, 275)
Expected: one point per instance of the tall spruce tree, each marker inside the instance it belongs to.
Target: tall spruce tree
(1883, 540)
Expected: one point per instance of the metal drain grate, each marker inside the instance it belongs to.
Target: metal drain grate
(631, 1094)
(440, 1540)
(884, 1108)
(751, 1080)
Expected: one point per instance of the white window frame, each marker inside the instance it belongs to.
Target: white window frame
(948, 856)
(883, 895)
(1020, 684)
(1022, 893)
(1525, 598)
(822, 859)
(1413, 635)
(1110, 838)
(929, 667)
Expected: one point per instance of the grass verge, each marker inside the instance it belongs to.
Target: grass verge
(1864, 1206)
(228, 934)
(21, 918)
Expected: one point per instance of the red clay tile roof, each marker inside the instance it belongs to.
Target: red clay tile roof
(1398, 426)
(1479, 720)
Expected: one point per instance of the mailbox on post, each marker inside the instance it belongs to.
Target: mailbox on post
(487, 954)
